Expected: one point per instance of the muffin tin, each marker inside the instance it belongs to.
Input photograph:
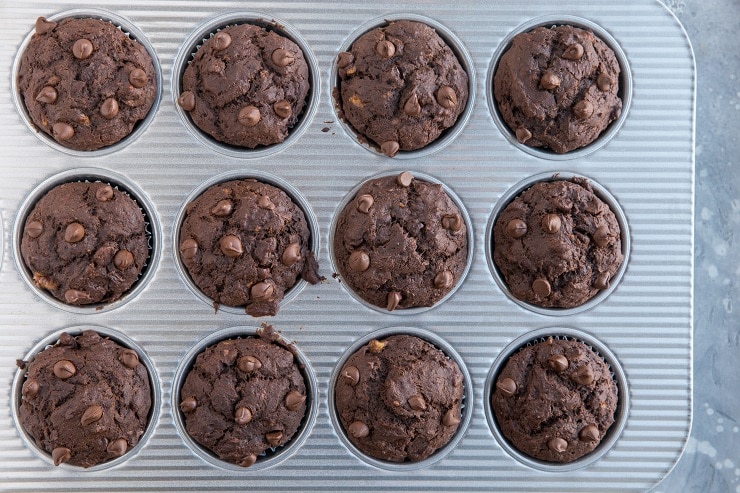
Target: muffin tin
(644, 324)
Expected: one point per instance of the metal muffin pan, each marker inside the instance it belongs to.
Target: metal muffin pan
(646, 321)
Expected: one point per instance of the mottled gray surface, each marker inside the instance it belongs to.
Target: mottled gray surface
(711, 462)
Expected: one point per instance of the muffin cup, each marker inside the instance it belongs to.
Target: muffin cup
(618, 375)
(273, 180)
(152, 230)
(132, 32)
(625, 86)
(457, 47)
(273, 456)
(270, 23)
(463, 212)
(603, 194)
(122, 340)
(467, 399)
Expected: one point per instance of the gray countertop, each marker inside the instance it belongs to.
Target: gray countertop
(711, 462)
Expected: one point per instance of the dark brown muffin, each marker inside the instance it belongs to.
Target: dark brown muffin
(401, 86)
(557, 244)
(85, 83)
(401, 242)
(245, 243)
(242, 397)
(558, 87)
(399, 399)
(85, 243)
(85, 400)
(246, 86)
(555, 400)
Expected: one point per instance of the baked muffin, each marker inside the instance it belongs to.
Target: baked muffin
(85, 400)
(245, 243)
(243, 397)
(401, 86)
(246, 86)
(401, 242)
(557, 244)
(85, 243)
(85, 83)
(554, 400)
(558, 87)
(399, 399)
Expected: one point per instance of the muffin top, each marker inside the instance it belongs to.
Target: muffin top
(399, 399)
(401, 242)
(85, 82)
(557, 87)
(401, 86)
(246, 86)
(85, 400)
(555, 400)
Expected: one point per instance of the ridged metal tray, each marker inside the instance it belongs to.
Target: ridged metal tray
(644, 325)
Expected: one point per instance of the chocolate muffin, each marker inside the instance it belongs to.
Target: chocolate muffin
(246, 86)
(85, 83)
(401, 86)
(243, 397)
(555, 400)
(85, 400)
(245, 243)
(557, 87)
(401, 242)
(399, 399)
(85, 243)
(557, 244)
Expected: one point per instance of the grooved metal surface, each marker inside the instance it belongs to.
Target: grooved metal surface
(646, 322)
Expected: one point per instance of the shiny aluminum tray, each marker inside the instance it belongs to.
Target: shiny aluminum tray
(643, 326)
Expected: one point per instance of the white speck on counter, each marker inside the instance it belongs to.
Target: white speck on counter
(706, 214)
(735, 429)
(713, 273)
(706, 448)
(720, 428)
(710, 411)
(728, 464)
(721, 247)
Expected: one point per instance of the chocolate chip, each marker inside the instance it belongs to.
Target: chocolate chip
(394, 298)
(129, 358)
(405, 179)
(274, 437)
(223, 208)
(242, 415)
(351, 375)
(573, 52)
(264, 202)
(583, 109)
(123, 259)
(73, 296)
(231, 246)
(138, 78)
(412, 107)
(522, 135)
(109, 108)
(293, 400)
(345, 59)
(358, 429)
(451, 418)
(74, 233)
(82, 49)
(516, 228)
(188, 248)
(443, 279)
(557, 444)
(34, 229)
(549, 81)
(282, 58)
(47, 95)
(60, 455)
(446, 97)
(282, 108)
(601, 236)
(558, 363)
(390, 148)
(583, 375)
(453, 222)
(375, 346)
(359, 261)
(221, 41)
(417, 403)
(30, 388)
(248, 364)
(187, 101)
(188, 404)
(506, 386)
(551, 223)
(385, 48)
(364, 203)
(63, 131)
(249, 116)
(91, 415)
(541, 287)
(43, 26)
(117, 447)
(291, 254)
(104, 193)
(262, 291)
(603, 82)
(247, 461)
(64, 369)
(589, 433)
(602, 280)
